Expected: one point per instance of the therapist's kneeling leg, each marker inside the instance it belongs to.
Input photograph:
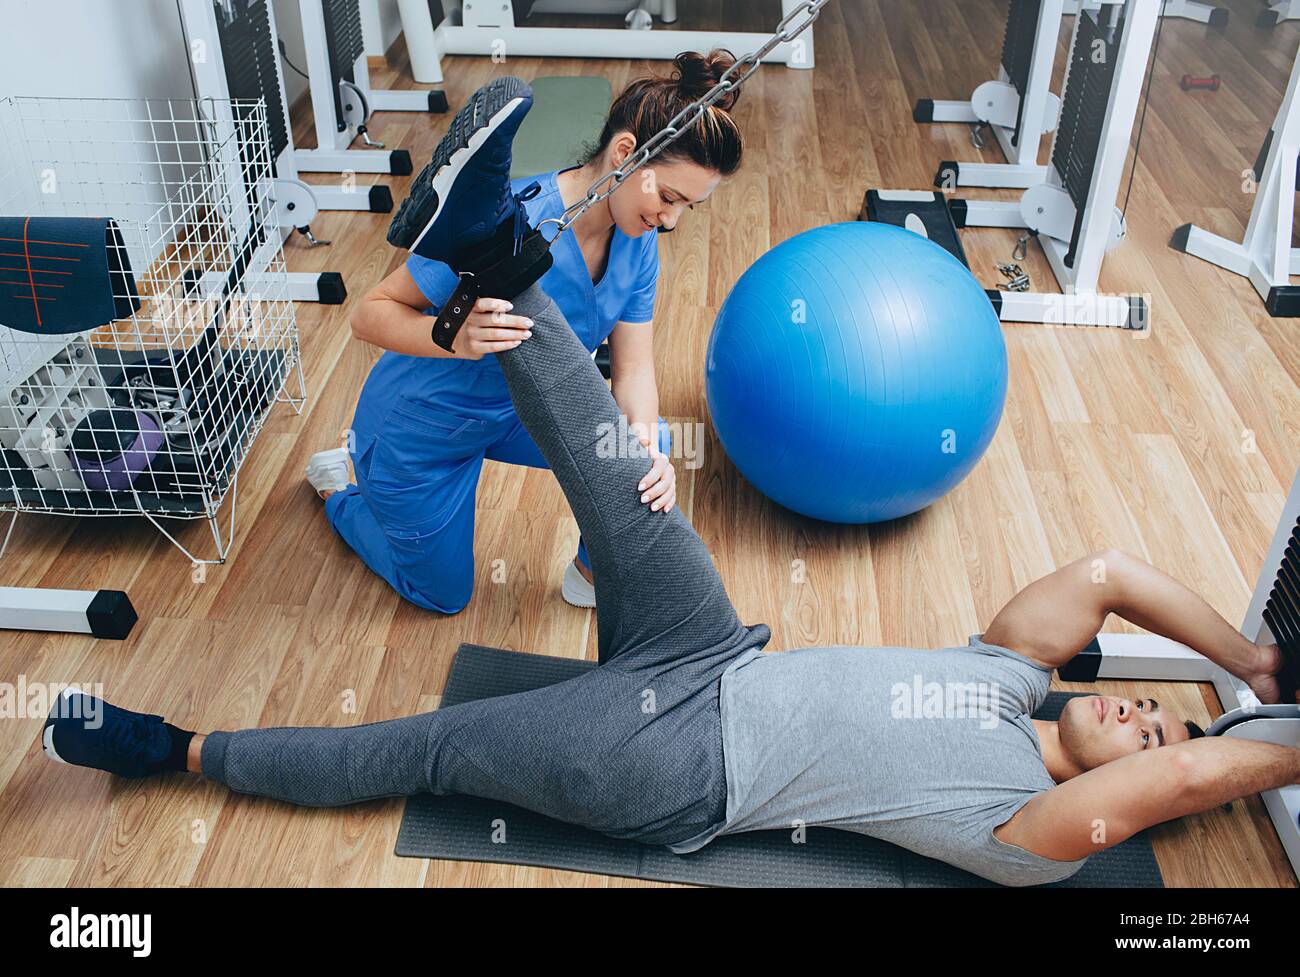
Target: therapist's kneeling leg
(417, 534)
(519, 448)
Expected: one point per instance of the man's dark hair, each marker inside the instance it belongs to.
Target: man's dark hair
(1193, 731)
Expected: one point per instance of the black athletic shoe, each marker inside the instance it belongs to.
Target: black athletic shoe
(463, 195)
(89, 732)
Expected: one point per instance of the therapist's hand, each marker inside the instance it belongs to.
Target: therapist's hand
(659, 486)
(490, 328)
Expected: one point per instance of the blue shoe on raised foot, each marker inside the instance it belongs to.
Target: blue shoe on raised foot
(463, 196)
(88, 732)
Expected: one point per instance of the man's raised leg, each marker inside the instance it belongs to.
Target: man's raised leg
(655, 580)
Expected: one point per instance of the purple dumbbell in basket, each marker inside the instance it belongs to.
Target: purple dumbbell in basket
(111, 448)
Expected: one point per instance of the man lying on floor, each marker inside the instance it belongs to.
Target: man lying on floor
(687, 730)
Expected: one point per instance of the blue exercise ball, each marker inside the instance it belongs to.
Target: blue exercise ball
(856, 373)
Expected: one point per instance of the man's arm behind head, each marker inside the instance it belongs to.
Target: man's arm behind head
(1110, 803)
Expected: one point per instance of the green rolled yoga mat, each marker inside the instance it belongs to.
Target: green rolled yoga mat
(461, 828)
(567, 115)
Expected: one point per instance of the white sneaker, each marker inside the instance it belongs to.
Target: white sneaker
(328, 471)
(576, 590)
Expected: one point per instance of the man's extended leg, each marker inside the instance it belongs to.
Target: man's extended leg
(517, 447)
(576, 751)
(655, 580)
(585, 751)
(633, 750)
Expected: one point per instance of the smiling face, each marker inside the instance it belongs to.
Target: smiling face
(658, 194)
(1096, 729)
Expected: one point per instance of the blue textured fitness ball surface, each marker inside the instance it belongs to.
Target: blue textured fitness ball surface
(856, 373)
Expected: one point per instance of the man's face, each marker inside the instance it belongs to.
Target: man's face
(1096, 729)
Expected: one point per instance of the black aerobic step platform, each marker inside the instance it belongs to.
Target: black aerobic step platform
(925, 212)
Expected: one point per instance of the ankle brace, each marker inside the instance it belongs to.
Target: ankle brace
(493, 268)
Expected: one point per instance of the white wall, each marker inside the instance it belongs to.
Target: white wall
(118, 49)
(380, 25)
(136, 48)
(288, 24)
(70, 159)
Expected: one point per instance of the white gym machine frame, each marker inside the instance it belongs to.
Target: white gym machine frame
(1149, 657)
(209, 71)
(297, 203)
(1264, 256)
(488, 27)
(1205, 13)
(101, 613)
(335, 132)
(997, 104)
(1048, 211)
(1277, 12)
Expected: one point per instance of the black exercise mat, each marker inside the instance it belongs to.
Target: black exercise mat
(462, 828)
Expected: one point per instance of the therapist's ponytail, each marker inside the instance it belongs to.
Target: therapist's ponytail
(647, 105)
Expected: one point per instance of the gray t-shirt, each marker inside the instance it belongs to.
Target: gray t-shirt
(928, 749)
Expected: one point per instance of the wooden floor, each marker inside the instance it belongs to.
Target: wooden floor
(1178, 446)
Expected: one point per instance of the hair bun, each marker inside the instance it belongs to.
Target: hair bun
(648, 105)
(695, 74)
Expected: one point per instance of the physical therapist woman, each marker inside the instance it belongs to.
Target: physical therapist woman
(426, 418)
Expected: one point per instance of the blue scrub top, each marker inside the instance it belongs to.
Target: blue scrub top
(478, 388)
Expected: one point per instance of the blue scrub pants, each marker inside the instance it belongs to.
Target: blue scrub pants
(410, 516)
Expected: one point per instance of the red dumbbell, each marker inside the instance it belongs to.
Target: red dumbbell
(1193, 83)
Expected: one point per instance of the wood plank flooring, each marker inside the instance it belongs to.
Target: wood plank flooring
(1178, 446)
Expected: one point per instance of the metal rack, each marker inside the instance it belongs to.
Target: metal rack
(154, 412)
(1264, 256)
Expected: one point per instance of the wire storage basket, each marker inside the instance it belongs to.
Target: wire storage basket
(145, 324)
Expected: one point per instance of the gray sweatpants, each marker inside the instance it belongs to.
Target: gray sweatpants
(632, 748)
